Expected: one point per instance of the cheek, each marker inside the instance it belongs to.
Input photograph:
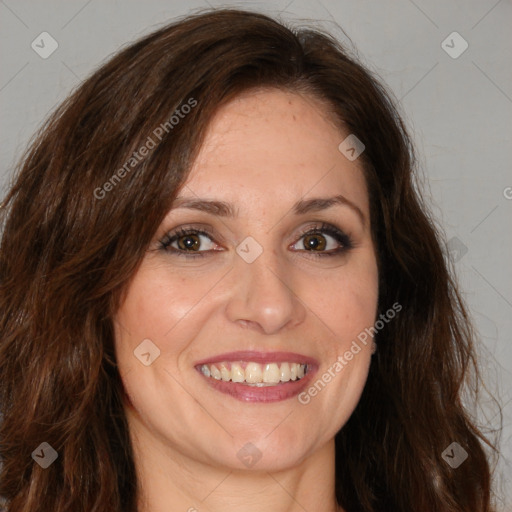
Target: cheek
(157, 306)
(158, 300)
(347, 301)
(348, 307)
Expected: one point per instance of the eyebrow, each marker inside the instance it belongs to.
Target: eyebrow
(301, 207)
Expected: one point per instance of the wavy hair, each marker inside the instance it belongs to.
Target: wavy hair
(76, 227)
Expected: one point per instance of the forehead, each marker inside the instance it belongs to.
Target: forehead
(272, 144)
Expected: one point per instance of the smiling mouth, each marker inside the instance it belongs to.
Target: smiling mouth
(254, 374)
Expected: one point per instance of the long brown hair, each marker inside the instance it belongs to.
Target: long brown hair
(75, 228)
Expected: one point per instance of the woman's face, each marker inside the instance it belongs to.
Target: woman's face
(252, 293)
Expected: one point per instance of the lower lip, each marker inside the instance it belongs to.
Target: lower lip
(275, 393)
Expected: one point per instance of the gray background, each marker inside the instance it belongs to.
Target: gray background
(459, 111)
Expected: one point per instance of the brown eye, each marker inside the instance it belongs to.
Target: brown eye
(189, 242)
(324, 240)
(315, 241)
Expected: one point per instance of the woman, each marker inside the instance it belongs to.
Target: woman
(220, 290)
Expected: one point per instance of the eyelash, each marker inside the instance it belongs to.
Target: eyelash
(343, 239)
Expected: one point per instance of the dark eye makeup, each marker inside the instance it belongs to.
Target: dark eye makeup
(186, 241)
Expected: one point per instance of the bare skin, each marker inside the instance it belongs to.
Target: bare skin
(264, 152)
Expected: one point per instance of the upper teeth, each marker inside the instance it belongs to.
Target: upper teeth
(254, 373)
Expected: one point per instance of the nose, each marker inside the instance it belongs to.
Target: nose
(263, 296)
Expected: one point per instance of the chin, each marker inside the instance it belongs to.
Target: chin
(274, 452)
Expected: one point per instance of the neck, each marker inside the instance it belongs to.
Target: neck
(169, 481)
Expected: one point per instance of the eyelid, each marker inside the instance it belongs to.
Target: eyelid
(193, 228)
(320, 227)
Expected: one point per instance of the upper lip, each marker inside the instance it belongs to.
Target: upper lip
(259, 357)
